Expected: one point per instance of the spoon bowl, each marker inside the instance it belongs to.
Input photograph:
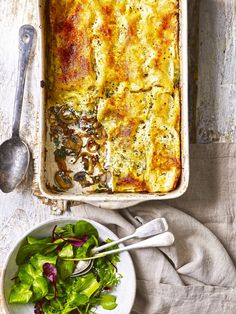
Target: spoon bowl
(82, 268)
(14, 163)
(14, 153)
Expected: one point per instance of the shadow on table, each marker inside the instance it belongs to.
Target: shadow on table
(193, 55)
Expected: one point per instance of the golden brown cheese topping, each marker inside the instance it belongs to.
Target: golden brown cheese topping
(113, 103)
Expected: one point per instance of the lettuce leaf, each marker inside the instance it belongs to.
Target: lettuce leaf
(20, 293)
(108, 301)
(40, 288)
(65, 268)
(26, 274)
(38, 260)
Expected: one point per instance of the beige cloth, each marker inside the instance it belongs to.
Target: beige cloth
(197, 274)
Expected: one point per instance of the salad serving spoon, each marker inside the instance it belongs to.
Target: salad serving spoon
(160, 240)
(151, 228)
(163, 239)
(14, 153)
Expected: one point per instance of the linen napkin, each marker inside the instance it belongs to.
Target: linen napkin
(197, 274)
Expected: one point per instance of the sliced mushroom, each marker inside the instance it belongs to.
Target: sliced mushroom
(86, 123)
(60, 158)
(67, 115)
(74, 143)
(63, 180)
(100, 136)
(88, 162)
(72, 159)
(92, 146)
(81, 177)
(61, 163)
(52, 113)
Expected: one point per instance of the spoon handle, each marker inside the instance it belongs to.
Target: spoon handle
(160, 240)
(151, 228)
(105, 246)
(26, 36)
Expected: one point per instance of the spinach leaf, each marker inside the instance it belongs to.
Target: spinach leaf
(67, 230)
(32, 240)
(51, 248)
(83, 227)
(26, 251)
(80, 229)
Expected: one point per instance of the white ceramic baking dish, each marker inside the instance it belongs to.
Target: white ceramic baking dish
(120, 200)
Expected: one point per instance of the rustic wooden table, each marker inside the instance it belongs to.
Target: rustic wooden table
(212, 97)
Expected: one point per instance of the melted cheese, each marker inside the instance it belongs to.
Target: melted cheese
(121, 59)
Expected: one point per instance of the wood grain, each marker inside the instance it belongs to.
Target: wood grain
(216, 100)
(193, 51)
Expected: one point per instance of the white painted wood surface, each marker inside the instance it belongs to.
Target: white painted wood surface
(216, 104)
(212, 34)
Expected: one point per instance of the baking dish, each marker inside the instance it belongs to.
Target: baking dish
(122, 199)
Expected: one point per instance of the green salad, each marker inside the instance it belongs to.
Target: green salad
(45, 267)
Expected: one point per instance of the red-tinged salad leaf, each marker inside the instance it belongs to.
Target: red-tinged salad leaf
(50, 271)
(74, 312)
(79, 242)
(72, 239)
(53, 233)
(38, 308)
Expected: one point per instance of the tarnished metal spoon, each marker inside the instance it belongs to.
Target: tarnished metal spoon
(14, 153)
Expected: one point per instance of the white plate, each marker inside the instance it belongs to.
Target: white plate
(125, 291)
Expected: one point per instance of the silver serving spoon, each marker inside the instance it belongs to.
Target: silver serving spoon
(160, 240)
(153, 227)
(14, 153)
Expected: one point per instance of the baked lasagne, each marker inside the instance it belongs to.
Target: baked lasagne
(113, 100)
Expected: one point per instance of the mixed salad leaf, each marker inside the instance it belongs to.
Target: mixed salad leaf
(45, 267)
